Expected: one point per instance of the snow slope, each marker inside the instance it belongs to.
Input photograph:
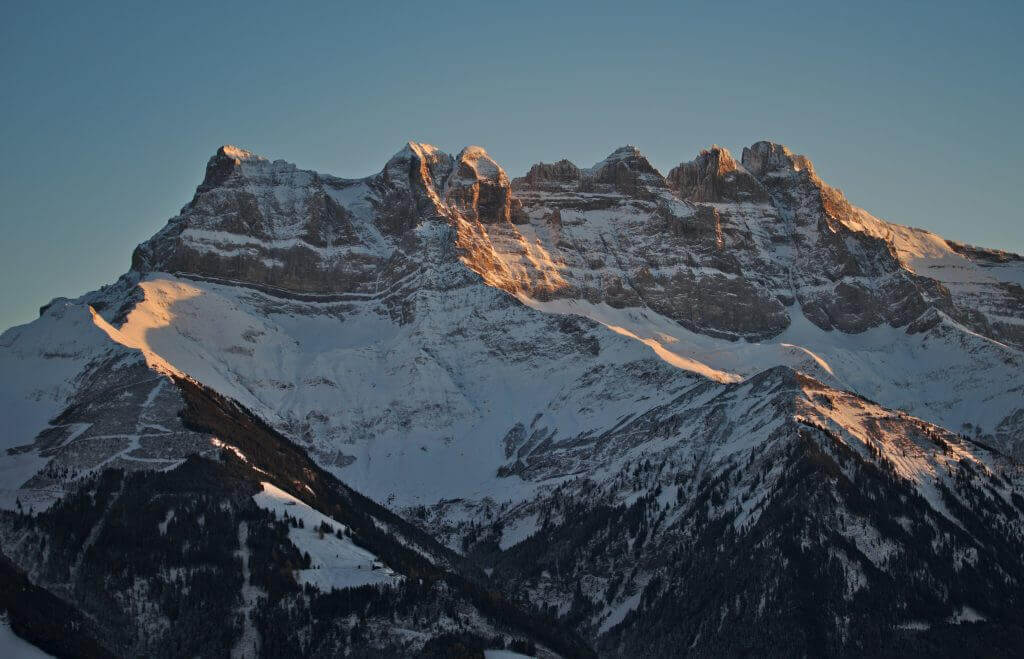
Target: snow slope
(13, 646)
(947, 374)
(336, 562)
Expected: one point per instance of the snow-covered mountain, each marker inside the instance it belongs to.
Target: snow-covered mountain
(649, 410)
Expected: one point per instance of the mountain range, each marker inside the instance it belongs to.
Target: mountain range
(601, 411)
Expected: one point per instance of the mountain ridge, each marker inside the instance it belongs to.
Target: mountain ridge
(580, 382)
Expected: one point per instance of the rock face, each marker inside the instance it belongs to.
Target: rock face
(627, 171)
(845, 278)
(615, 394)
(480, 190)
(748, 251)
(557, 174)
(715, 177)
(758, 236)
(263, 222)
(619, 233)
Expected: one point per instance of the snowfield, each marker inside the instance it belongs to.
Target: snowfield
(336, 562)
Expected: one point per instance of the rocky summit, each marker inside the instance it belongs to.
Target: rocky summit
(591, 411)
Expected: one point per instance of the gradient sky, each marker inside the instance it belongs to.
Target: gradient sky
(108, 112)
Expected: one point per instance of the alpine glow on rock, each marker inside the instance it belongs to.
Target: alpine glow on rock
(587, 412)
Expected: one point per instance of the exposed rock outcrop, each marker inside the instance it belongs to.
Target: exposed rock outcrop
(558, 173)
(725, 248)
(714, 176)
(481, 191)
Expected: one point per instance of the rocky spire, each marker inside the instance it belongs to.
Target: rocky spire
(714, 176)
(627, 169)
(762, 158)
(563, 171)
(480, 190)
(418, 168)
(226, 161)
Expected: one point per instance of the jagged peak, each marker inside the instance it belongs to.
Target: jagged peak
(423, 149)
(722, 155)
(478, 162)
(418, 165)
(226, 161)
(713, 176)
(765, 157)
(716, 158)
(774, 164)
(479, 189)
(626, 167)
(564, 162)
(473, 152)
(237, 154)
(562, 171)
(417, 150)
(625, 153)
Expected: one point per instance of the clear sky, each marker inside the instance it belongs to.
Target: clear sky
(109, 111)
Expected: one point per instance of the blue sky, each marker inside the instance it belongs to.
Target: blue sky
(109, 111)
